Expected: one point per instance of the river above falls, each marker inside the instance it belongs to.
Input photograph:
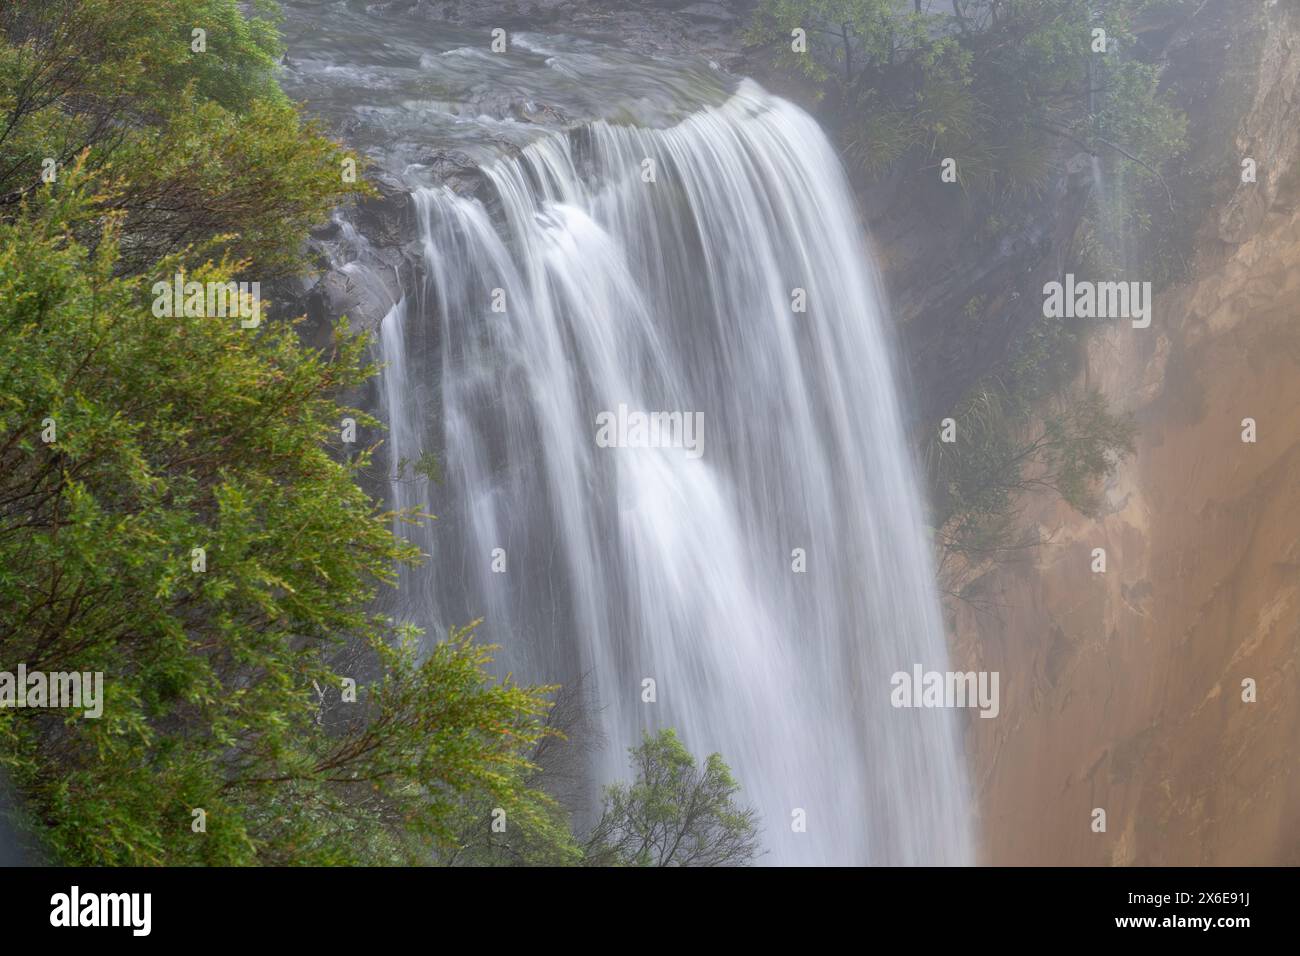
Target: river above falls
(404, 89)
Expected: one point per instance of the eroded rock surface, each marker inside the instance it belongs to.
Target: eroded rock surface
(1123, 690)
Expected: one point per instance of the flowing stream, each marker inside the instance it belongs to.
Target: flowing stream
(631, 564)
(692, 248)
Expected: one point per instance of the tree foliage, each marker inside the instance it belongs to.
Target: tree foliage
(184, 433)
(1006, 448)
(993, 84)
(176, 511)
(203, 147)
(674, 813)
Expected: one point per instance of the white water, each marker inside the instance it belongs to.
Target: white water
(629, 564)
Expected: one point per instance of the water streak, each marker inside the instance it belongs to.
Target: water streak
(628, 564)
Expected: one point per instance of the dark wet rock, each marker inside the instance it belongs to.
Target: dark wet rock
(357, 293)
(458, 171)
(363, 293)
(327, 231)
(388, 219)
(19, 839)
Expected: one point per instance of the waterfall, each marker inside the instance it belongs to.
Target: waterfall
(657, 269)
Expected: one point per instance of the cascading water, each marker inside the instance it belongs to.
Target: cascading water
(604, 280)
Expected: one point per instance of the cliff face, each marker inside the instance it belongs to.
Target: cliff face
(1120, 690)
(959, 297)
(1123, 690)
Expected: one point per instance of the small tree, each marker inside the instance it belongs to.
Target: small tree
(1008, 447)
(675, 813)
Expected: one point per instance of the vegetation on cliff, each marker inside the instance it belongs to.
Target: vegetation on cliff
(1003, 91)
(992, 84)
